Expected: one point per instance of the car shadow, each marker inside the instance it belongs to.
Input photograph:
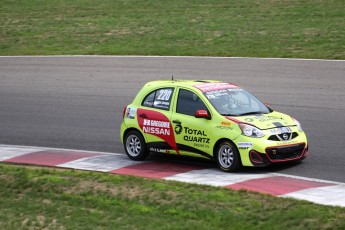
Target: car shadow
(210, 164)
(178, 159)
(272, 168)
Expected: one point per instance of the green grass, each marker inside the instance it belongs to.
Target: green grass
(260, 28)
(44, 198)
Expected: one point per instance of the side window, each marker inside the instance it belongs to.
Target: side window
(188, 103)
(159, 99)
(148, 101)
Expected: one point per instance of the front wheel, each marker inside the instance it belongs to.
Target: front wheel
(227, 157)
(135, 146)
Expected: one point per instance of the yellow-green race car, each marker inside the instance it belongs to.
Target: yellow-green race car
(210, 119)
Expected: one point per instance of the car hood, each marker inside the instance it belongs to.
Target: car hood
(267, 121)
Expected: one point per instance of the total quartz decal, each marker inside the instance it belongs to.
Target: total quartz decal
(195, 136)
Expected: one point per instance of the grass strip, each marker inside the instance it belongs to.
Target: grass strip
(248, 28)
(45, 198)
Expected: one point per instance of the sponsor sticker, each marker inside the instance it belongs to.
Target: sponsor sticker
(157, 124)
(195, 135)
(245, 144)
(287, 142)
(224, 127)
(205, 87)
(224, 123)
(159, 150)
(280, 130)
(156, 127)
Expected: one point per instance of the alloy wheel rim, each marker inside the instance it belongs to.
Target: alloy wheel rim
(133, 145)
(226, 156)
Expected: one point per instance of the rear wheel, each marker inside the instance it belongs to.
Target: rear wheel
(227, 157)
(135, 146)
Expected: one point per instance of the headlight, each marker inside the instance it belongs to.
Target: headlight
(298, 125)
(251, 131)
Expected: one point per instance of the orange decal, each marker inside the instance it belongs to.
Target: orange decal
(224, 123)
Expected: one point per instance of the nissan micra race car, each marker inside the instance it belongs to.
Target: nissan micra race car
(210, 119)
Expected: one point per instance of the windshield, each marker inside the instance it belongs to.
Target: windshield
(235, 102)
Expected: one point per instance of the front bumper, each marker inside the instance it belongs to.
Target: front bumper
(279, 154)
(273, 149)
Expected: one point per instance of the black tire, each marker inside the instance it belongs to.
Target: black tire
(227, 157)
(135, 146)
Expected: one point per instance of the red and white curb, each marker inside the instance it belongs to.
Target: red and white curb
(281, 185)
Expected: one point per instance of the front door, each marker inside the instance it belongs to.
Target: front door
(192, 135)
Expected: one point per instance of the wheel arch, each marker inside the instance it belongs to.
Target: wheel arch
(132, 129)
(220, 141)
(236, 163)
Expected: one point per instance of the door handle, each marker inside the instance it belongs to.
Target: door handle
(142, 115)
(177, 122)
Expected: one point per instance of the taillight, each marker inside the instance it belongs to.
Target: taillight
(124, 112)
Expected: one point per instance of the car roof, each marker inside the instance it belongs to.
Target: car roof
(198, 84)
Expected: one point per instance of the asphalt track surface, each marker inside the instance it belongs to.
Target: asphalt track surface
(77, 102)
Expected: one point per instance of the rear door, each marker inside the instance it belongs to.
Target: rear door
(153, 118)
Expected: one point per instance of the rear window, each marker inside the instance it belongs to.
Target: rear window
(159, 99)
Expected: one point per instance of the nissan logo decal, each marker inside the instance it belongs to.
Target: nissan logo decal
(285, 136)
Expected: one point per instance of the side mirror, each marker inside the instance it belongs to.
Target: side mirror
(202, 114)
